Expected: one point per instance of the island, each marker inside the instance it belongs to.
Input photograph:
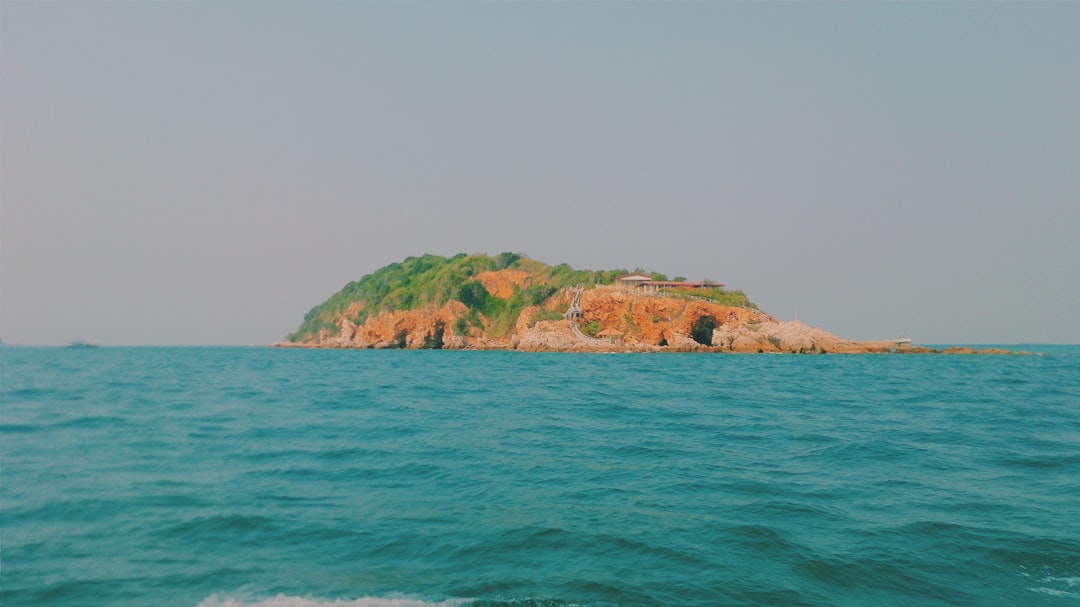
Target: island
(511, 302)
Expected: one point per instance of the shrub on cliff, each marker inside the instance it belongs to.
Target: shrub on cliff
(716, 295)
(506, 260)
(474, 296)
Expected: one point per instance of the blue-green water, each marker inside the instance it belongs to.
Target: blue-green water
(286, 478)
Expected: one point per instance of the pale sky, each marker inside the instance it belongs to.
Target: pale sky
(205, 173)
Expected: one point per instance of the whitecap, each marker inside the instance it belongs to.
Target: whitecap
(1068, 581)
(1065, 587)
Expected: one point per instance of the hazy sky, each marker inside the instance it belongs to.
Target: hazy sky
(205, 173)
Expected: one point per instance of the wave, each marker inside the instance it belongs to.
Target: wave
(542, 481)
(220, 528)
(283, 600)
(1066, 587)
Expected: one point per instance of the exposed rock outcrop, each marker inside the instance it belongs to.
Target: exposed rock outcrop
(431, 328)
(657, 320)
(501, 283)
(620, 319)
(791, 336)
(637, 322)
(549, 336)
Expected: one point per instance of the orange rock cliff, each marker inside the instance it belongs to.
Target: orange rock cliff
(611, 318)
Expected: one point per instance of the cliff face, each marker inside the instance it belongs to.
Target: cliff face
(624, 320)
(416, 329)
(509, 301)
(501, 283)
(656, 320)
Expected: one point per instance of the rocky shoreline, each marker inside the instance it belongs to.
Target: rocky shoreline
(631, 322)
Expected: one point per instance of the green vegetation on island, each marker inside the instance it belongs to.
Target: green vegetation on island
(432, 280)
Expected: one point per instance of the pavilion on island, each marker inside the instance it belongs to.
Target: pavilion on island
(640, 282)
(612, 335)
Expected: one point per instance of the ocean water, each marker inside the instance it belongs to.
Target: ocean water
(214, 477)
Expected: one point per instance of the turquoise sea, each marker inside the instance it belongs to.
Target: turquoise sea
(213, 477)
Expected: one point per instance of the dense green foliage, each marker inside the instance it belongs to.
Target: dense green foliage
(431, 280)
(716, 295)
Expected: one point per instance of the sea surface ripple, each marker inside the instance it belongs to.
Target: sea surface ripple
(229, 477)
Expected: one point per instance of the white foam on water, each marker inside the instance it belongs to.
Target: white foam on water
(1071, 582)
(1059, 586)
(283, 600)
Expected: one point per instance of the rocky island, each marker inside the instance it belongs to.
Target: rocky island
(509, 301)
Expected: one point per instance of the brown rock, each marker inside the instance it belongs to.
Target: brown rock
(639, 322)
(501, 283)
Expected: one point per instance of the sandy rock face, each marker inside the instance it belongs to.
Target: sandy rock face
(678, 342)
(547, 336)
(656, 320)
(501, 283)
(424, 328)
(791, 336)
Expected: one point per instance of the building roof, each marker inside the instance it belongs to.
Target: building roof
(610, 333)
(643, 279)
(692, 285)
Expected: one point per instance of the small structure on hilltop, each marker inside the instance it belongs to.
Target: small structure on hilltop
(666, 284)
(640, 282)
(633, 281)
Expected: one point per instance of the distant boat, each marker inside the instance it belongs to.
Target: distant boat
(82, 344)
